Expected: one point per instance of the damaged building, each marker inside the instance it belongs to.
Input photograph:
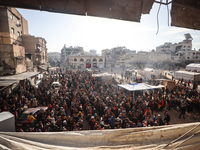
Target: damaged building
(36, 52)
(21, 55)
(20, 52)
(12, 53)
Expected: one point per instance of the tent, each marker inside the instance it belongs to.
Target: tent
(7, 122)
(192, 76)
(193, 67)
(139, 86)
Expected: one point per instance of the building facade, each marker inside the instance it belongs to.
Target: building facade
(185, 45)
(66, 52)
(150, 57)
(117, 57)
(36, 49)
(12, 27)
(180, 52)
(86, 61)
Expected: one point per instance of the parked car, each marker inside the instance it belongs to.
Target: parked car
(56, 85)
(21, 122)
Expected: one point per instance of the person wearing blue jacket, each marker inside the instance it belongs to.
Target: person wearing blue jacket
(112, 122)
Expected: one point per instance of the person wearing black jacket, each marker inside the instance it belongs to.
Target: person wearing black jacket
(167, 118)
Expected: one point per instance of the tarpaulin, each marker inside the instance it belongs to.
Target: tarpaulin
(130, 138)
(139, 86)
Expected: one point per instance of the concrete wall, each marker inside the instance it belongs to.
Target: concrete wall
(30, 42)
(12, 26)
(13, 56)
(4, 28)
(24, 26)
(19, 54)
(6, 54)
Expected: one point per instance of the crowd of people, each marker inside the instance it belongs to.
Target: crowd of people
(87, 102)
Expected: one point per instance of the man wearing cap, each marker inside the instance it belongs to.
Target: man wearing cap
(160, 121)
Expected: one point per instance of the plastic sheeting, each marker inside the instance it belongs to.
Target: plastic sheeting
(132, 138)
(192, 76)
(139, 86)
(193, 67)
(7, 122)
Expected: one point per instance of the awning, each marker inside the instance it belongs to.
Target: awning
(43, 67)
(139, 86)
(162, 79)
(20, 76)
(6, 83)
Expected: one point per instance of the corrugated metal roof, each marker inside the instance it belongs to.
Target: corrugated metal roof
(6, 83)
(20, 76)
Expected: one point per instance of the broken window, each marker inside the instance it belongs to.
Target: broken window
(37, 48)
(12, 30)
(11, 16)
(18, 33)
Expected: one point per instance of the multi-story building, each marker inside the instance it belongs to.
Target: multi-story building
(12, 53)
(181, 52)
(150, 57)
(166, 53)
(117, 57)
(186, 56)
(36, 49)
(185, 45)
(19, 50)
(86, 61)
(66, 52)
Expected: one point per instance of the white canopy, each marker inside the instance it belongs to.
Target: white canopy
(139, 86)
(186, 75)
(193, 66)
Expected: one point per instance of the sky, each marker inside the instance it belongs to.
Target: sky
(95, 33)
